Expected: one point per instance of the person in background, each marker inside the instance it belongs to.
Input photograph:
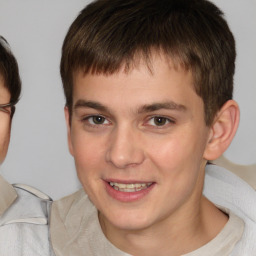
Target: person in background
(23, 209)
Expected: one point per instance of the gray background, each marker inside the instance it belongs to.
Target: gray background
(38, 153)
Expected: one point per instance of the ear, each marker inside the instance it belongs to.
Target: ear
(68, 124)
(222, 130)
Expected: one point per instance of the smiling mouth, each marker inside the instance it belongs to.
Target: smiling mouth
(134, 187)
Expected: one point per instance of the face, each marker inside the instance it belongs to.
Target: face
(138, 140)
(5, 122)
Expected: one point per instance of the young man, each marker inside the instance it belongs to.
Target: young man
(148, 88)
(23, 210)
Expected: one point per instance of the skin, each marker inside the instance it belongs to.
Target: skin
(5, 123)
(114, 136)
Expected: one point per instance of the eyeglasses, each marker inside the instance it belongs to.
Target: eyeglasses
(4, 107)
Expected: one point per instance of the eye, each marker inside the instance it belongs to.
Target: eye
(159, 121)
(97, 120)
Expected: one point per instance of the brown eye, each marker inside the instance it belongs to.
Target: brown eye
(98, 120)
(159, 121)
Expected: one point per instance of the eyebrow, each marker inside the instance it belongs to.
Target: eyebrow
(169, 105)
(89, 104)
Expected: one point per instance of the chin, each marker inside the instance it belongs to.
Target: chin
(127, 220)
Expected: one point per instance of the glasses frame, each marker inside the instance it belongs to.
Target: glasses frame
(4, 106)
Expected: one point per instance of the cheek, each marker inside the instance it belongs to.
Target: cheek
(179, 158)
(179, 173)
(173, 151)
(89, 161)
(89, 156)
(4, 139)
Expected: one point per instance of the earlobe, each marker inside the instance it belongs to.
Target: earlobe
(222, 130)
(68, 124)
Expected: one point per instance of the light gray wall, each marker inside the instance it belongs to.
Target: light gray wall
(38, 153)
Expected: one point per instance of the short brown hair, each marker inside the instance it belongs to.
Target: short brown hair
(110, 33)
(9, 72)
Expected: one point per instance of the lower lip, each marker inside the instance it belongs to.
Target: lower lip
(128, 196)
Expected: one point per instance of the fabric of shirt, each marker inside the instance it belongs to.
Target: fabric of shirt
(227, 190)
(23, 221)
(75, 228)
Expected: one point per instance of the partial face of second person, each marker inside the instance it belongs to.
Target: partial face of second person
(138, 140)
(5, 121)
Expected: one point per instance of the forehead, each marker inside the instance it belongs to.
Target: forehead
(150, 65)
(140, 60)
(159, 82)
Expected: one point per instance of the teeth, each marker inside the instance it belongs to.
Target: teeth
(129, 187)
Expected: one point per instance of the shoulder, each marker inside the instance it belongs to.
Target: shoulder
(77, 204)
(64, 204)
(24, 225)
(31, 206)
(227, 190)
(73, 224)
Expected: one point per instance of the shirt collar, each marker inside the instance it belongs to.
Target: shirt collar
(8, 195)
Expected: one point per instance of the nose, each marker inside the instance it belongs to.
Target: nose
(125, 148)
